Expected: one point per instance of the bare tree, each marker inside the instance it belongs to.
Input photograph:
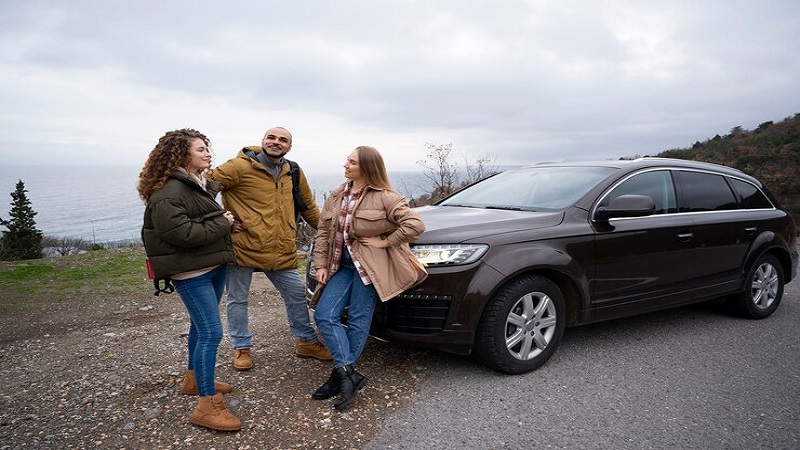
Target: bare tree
(305, 236)
(481, 168)
(305, 232)
(65, 245)
(440, 170)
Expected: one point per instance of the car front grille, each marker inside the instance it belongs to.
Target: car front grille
(415, 313)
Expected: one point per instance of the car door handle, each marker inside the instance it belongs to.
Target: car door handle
(683, 237)
(751, 230)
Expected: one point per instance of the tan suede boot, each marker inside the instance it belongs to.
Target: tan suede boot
(212, 413)
(313, 349)
(189, 385)
(242, 359)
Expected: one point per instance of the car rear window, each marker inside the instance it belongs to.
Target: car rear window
(703, 191)
(750, 197)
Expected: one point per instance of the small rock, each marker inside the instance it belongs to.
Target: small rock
(153, 413)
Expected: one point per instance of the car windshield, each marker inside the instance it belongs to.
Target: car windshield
(531, 188)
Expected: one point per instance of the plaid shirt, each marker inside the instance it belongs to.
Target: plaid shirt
(343, 236)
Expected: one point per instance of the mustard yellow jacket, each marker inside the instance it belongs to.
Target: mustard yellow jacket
(379, 212)
(265, 207)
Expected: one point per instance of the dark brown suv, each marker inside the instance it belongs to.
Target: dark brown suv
(519, 256)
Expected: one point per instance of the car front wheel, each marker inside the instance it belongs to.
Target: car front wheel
(763, 289)
(521, 326)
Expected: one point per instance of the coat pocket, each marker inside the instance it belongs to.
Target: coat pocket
(372, 222)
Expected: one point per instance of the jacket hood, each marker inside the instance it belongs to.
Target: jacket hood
(212, 187)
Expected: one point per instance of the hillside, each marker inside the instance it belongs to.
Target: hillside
(771, 153)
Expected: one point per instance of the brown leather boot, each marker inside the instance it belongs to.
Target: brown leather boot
(189, 385)
(313, 349)
(242, 359)
(212, 413)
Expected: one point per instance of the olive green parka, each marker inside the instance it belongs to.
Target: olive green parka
(184, 228)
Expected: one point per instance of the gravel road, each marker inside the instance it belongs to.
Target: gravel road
(104, 373)
(689, 378)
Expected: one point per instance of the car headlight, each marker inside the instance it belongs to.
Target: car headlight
(448, 254)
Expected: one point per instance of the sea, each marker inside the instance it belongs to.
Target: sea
(100, 204)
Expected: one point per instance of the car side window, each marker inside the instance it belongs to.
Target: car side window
(750, 197)
(655, 184)
(701, 191)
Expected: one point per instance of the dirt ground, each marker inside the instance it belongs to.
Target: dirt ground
(104, 373)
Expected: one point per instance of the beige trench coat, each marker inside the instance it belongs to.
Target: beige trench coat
(383, 213)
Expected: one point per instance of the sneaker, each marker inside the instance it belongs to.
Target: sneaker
(313, 349)
(242, 360)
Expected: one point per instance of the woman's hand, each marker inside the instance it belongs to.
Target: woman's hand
(374, 241)
(229, 215)
(321, 275)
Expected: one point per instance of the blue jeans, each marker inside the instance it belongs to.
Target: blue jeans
(201, 297)
(292, 290)
(344, 289)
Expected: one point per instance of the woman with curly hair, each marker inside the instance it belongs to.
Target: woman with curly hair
(187, 238)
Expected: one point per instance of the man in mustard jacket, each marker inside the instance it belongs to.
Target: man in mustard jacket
(256, 187)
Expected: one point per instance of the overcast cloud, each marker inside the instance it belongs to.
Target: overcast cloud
(98, 82)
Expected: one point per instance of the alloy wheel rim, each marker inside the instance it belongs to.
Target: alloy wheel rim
(530, 325)
(764, 288)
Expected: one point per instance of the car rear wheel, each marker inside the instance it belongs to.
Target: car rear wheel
(763, 289)
(521, 326)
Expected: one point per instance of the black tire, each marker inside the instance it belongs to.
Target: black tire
(762, 291)
(521, 326)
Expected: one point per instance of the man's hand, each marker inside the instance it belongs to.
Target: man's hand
(237, 226)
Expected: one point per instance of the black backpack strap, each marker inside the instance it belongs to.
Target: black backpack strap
(299, 204)
(167, 289)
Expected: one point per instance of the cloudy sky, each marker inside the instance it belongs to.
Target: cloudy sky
(97, 82)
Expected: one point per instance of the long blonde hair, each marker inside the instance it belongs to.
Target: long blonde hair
(372, 167)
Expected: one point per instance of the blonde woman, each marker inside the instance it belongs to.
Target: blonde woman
(361, 255)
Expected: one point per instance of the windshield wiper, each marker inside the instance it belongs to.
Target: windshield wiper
(508, 208)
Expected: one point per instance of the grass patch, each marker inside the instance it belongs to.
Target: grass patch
(26, 272)
(73, 277)
(99, 276)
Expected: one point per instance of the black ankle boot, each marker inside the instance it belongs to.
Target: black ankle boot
(350, 382)
(329, 388)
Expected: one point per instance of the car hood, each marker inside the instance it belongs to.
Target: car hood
(450, 224)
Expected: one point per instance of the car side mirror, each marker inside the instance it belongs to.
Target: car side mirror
(628, 205)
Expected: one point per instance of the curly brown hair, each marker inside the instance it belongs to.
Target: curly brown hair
(171, 152)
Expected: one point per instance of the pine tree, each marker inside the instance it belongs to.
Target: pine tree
(22, 240)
